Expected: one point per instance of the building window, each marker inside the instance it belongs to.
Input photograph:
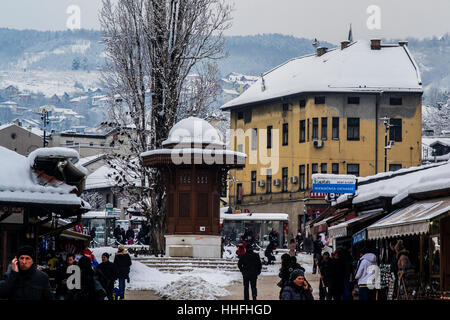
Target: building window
(323, 168)
(335, 168)
(239, 193)
(253, 189)
(285, 179)
(315, 128)
(324, 130)
(307, 176)
(395, 131)
(302, 131)
(254, 139)
(314, 168)
(269, 137)
(285, 134)
(335, 131)
(353, 129)
(395, 167)
(269, 181)
(240, 115)
(353, 100)
(302, 177)
(302, 103)
(248, 116)
(319, 100)
(353, 169)
(240, 148)
(395, 101)
(69, 142)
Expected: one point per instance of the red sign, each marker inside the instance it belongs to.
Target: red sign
(317, 195)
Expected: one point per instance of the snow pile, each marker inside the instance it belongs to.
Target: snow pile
(191, 288)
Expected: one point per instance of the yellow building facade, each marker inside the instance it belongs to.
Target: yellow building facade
(289, 137)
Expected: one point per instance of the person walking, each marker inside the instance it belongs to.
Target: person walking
(288, 264)
(269, 252)
(335, 277)
(241, 245)
(365, 275)
(122, 261)
(292, 246)
(107, 272)
(117, 234)
(93, 233)
(317, 251)
(299, 240)
(250, 266)
(123, 236)
(346, 257)
(324, 277)
(62, 290)
(273, 237)
(91, 288)
(297, 288)
(23, 281)
(129, 235)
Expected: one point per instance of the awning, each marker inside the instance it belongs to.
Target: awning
(341, 230)
(322, 226)
(414, 219)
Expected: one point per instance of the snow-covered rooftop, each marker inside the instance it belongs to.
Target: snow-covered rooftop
(400, 184)
(20, 183)
(357, 68)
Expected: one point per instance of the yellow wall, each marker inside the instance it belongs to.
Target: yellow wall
(362, 152)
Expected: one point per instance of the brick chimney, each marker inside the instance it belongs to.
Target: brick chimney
(375, 44)
(344, 44)
(321, 51)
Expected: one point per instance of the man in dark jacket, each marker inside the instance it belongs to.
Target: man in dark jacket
(250, 266)
(23, 281)
(324, 277)
(269, 252)
(107, 272)
(298, 288)
(117, 234)
(335, 275)
(62, 290)
(122, 261)
(129, 234)
(318, 246)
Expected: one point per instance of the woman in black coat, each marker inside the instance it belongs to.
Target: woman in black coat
(122, 261)
(297, 288)
(107, 272)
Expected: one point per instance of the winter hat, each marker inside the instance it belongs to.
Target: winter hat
(26, 251)
(296, 273)
(106, 254)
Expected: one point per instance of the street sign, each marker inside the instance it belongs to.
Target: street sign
(333, 183)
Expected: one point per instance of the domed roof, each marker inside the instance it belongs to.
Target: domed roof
(194, 130)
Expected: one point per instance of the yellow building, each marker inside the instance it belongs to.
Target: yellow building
(322, 113)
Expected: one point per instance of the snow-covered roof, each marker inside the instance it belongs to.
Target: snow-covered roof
(194, 130)
(88, 160)
(400, 184)
(20, 183)
(56, 152)
(357, 68)
(103, 177)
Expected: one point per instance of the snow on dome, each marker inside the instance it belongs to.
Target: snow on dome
(194, 130)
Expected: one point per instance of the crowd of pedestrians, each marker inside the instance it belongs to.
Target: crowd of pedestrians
(76, 279)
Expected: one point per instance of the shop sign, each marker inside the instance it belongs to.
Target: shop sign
(360, 236)
(333, 183)
(16, 217)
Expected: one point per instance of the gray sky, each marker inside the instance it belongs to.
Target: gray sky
(323, 19)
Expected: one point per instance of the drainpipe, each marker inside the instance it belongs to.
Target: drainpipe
(377, 107)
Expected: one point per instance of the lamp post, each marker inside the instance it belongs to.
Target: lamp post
(387, 145)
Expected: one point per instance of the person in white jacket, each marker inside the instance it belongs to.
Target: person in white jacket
(366, 275)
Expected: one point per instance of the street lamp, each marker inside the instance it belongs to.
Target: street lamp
(387, 145)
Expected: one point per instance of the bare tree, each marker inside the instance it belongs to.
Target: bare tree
(151, 47)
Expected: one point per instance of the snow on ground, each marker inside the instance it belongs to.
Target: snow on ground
(199, 284)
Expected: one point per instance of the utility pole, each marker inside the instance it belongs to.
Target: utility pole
(387, 145)
(46, 121)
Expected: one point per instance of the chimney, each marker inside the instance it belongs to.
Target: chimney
(403, 43)
(344, 44)
(321, 51)
(375, 44)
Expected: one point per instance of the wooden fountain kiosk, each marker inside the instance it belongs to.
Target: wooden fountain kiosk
(194, 165)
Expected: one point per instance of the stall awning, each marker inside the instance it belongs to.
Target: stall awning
(341, 230)
(322, 226)
(414, 219)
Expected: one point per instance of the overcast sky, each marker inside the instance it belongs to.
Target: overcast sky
(323, 19)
